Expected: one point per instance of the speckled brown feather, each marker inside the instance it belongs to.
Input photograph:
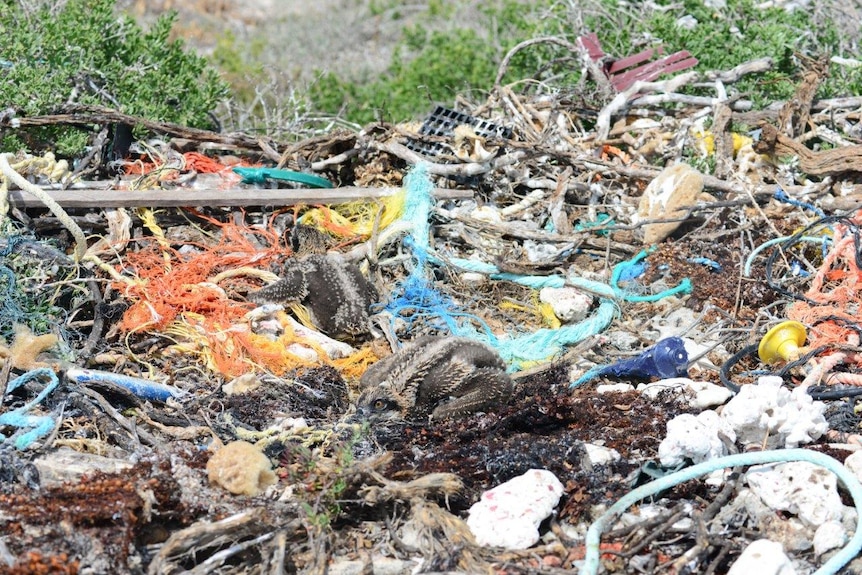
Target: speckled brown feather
(440, 377)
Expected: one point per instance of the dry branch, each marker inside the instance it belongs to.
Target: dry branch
(823, 163)
(98, 115)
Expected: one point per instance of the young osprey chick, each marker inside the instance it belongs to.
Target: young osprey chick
(333, 290)
(440, 377)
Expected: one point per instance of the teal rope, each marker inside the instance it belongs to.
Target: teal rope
(832, 566)
(39, 425)
(417, 211)
(545, 343)
(517, 351)
(683, 287)
(591, 373)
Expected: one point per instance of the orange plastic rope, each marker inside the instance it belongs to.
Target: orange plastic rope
(835, 289)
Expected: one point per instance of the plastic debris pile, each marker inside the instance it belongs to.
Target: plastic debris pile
(672, 301)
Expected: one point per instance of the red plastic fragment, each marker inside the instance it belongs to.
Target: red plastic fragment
(621, 73)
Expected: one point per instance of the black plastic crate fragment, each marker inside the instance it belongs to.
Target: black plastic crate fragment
(443, 121)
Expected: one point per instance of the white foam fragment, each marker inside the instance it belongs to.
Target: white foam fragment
(569, 304)
(509, 515)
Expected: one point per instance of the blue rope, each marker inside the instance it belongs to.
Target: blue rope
(832, 566)
(782, 196)
(39, 425)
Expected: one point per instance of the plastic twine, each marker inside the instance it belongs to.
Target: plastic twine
(39, 425)
(417, 211)
(832, 566)
(417, 295)
(143, 388)
(782, 196)
(12, 176)
(622, 269)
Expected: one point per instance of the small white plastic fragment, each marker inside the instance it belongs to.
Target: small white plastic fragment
(569, 304)
(763, 557)
(474, 278)
(509, 515)
(245, 383)
(600, 455)
(487, 214)
(614, 388)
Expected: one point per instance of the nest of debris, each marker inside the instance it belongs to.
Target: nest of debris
(134, 350)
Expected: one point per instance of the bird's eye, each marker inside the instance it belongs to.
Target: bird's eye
(378, 404)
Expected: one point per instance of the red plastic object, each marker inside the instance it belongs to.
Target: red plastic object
(620, 72)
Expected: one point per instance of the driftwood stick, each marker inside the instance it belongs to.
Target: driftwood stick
(823, 163)
(467, 169)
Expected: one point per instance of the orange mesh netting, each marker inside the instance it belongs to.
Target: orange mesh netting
(173, 293)
(166, 170)
(833, 296)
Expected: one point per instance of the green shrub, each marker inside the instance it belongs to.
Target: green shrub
(84, 53)
(431, 66)
(436, 66)
(740, 32)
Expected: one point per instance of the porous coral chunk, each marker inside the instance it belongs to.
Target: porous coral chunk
(241, 468)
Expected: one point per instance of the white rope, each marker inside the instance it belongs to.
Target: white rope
(13, 176)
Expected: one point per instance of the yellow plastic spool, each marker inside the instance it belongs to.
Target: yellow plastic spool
(783, 341)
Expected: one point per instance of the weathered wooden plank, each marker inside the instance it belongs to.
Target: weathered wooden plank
(110, 198)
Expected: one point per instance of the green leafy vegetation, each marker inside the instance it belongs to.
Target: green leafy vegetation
(82, 52)
(431, 66)
(321, 481)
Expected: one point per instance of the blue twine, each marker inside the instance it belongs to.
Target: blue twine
(416, 294)
(782, 196)
(631, 273)
(39, 425)
(796, 269)
(543, 343)
(706, 262)
(832, 566)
